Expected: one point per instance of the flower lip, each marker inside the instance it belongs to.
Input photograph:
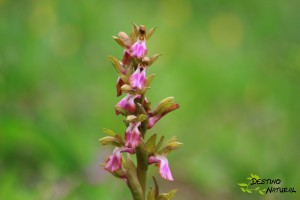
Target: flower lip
(138, 79)
(139, 49)
(163, 165)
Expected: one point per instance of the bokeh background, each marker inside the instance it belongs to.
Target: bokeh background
(234, 67)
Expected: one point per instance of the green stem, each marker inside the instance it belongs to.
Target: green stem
(141, 152)
(132, 180)
(142, 166)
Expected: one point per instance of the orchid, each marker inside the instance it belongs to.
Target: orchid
(133, 136)
(114, 161)
(126, 105)
(132, 80)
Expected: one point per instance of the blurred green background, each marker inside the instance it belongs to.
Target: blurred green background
(234, 67)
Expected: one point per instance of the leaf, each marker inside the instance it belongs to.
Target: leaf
(151, 144)
(257, 188)
(254, 176)
(249, 178)
(109, 132)
(243, 189)
(261, 192)
(159, 143)
(249, 191)
(243, 184)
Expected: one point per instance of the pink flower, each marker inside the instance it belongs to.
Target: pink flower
(126, 105)
(163, 165)
(132, 135)
(139, 49)
(138, 79)
(114, 161)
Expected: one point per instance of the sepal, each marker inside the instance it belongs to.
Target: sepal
(116, 140)
(150, 33)
(125, 39)
(118, 66)
(171, 145)
(119, 41)
(154, 58)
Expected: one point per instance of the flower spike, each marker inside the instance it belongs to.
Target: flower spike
(139, 118)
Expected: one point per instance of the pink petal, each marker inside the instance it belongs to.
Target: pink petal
(114, 161)
(139, 49)
(164, 169)
(163, 165)
(133, 135)
(138, 79)
(126, 105)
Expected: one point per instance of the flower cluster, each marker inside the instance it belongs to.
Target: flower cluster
(132, 81)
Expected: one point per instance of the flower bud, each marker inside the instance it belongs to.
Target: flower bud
(164, 107)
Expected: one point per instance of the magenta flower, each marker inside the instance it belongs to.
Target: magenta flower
(132, 135)
(139, 49)
(138, 79)
(126, 105)
(114, 161)
(163, 165)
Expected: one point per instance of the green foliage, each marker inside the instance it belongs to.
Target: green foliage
(246, 187)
